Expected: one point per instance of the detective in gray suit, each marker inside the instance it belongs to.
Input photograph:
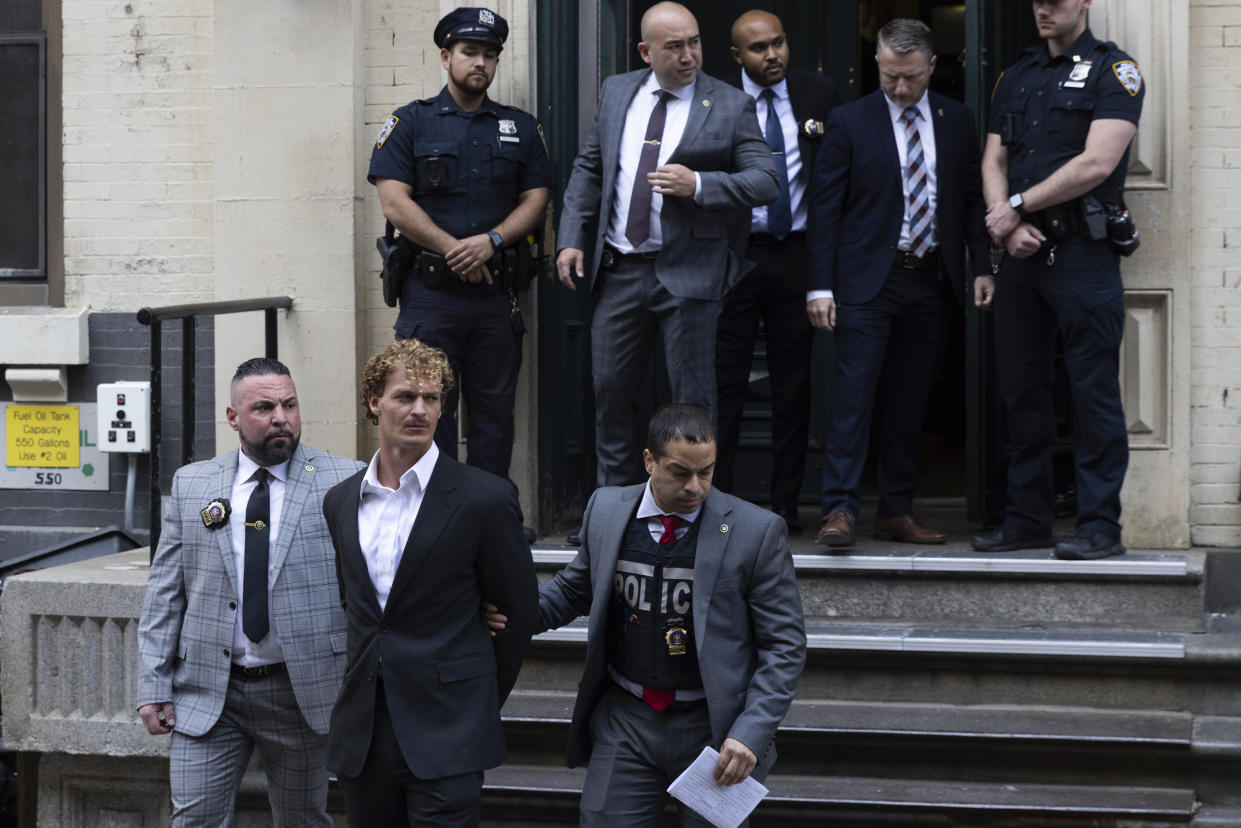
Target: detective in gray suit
(659, 205)
(714, 661)
(242, 637)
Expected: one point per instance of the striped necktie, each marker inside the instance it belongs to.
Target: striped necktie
(918, 208)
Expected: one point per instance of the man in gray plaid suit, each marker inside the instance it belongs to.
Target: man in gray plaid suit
(242, 637)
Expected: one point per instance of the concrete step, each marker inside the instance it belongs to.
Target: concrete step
(547, 794)
(991, 743)
(1009, 724)
(1081, 667)
(955, 586)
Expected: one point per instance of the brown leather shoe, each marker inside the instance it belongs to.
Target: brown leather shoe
(837, 529)
(906, 529)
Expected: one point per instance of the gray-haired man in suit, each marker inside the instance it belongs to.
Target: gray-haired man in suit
(242, 637)
(659, 205)
(695, 635)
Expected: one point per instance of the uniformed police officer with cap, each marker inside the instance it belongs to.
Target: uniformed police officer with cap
(1054, 170)
(465, 179)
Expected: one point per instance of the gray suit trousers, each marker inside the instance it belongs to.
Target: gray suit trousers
(637, 753)
(630, 306)
(206, 770)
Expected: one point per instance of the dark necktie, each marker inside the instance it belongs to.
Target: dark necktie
(780, 214)
(670, 522)
(918, 211)
(638, 223)
(254, 582)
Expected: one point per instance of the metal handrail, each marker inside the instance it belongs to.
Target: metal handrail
(188, 314)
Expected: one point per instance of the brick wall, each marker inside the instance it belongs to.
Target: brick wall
(137, 152)
(1215, 245)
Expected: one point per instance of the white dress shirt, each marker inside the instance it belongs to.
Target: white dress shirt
(926, 133)
(792, 151)
(386, 517)
(649, 510)
(632, 138)
(249, 653)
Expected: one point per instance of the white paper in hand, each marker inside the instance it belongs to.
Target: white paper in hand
(723, 807)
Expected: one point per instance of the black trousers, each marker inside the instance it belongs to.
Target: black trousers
(898, 335)
(478, 332)
(774, 292)
(387, 795)
(1079, 301)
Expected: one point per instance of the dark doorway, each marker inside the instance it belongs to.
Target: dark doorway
(839, 39)
(963, 439)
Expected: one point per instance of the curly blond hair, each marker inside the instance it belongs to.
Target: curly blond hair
(420, 361)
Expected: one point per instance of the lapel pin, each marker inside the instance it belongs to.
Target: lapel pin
(308, 467)
(706, 102)
(940, 111)
(216, 513)
(724, 528)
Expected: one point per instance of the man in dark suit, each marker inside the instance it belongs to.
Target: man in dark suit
(419, 538)
(659, 205)
(714, 662)
(895, 200)
(793, 105)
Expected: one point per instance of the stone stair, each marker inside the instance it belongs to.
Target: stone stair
(948, 688)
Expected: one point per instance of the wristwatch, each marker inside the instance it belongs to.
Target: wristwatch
(1018, 203)
(496, 240)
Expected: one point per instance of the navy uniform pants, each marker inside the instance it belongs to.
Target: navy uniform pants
(1079, 300)
(481, 336)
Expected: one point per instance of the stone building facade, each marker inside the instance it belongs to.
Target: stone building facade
(204, 150)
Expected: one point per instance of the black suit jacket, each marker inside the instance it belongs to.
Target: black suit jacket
(444, 677)
(856, 204)
(813, 97)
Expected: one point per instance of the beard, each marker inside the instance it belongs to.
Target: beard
(269, 453)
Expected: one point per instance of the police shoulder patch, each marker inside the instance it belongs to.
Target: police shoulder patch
(1126, 72)
(386, 130)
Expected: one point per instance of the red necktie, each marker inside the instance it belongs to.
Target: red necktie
(670, 522)
(656, 698)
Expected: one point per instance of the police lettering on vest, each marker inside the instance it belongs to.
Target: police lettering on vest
(651, 620)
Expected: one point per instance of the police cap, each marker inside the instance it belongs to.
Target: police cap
(471, 23)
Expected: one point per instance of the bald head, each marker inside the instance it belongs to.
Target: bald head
(663, 14)
(671, 44)
(754, 16)
(760, 46)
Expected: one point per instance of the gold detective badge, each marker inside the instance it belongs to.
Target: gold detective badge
(675, 639)
(216, 514)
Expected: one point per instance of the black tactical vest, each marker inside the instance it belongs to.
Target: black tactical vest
(651, 617)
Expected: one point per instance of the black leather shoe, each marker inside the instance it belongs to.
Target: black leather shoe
(1088, 545)
(1006, 538)
(789, 513)
(575, 537)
